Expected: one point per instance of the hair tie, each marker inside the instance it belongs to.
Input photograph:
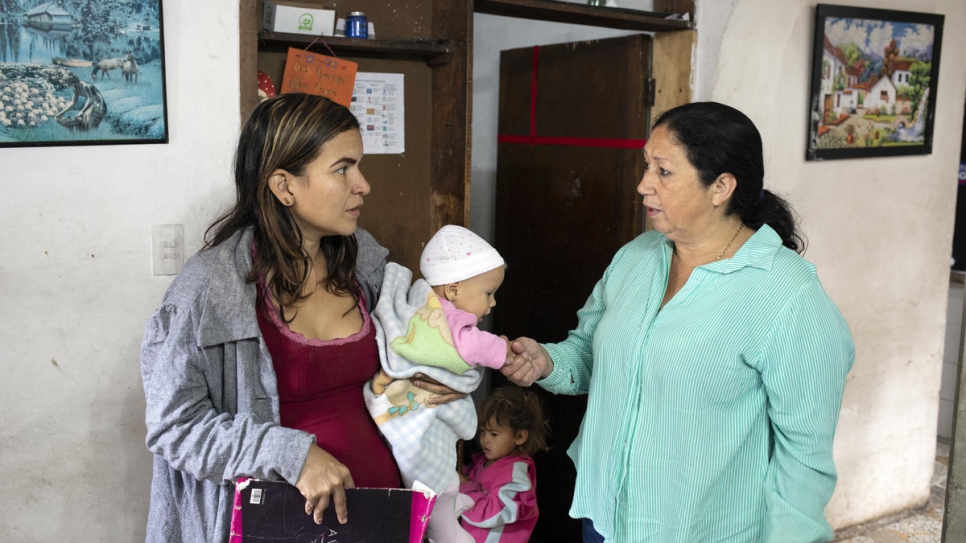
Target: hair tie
(761, 194)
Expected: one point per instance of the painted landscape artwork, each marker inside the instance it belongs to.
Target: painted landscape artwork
(81, 72)
(874, 77)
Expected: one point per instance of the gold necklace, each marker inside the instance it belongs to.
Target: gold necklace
(728, 246)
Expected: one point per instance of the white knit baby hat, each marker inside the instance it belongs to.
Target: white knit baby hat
(456, 254)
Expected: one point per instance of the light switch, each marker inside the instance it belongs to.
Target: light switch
(167, 248)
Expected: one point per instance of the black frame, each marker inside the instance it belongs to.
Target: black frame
(821, 125)
(71, 78)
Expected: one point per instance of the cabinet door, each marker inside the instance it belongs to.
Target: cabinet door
(573, 118)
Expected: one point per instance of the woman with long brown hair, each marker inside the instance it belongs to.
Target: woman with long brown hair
(255, 361)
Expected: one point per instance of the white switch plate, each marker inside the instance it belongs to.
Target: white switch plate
(167, 248)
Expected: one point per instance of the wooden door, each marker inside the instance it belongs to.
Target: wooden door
(573, 118)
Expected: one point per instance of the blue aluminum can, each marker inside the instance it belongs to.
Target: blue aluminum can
(356, 25)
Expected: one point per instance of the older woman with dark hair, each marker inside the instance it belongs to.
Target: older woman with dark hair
(713, 360)
(254, 363)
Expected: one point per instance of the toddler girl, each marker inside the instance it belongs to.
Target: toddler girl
(501, 480)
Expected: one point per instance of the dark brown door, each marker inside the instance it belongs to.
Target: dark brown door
(568, 165)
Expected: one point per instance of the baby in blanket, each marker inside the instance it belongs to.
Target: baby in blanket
(430, 327)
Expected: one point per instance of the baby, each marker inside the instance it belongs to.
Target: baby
(430, 327)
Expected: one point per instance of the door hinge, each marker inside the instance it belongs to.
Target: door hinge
(649, 92)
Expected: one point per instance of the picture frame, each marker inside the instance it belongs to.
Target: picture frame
(873, 82)
(82, 72)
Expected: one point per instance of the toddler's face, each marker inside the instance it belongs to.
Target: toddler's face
(497, 440)
(477, 295)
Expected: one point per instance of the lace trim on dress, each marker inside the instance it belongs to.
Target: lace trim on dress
(276, 319)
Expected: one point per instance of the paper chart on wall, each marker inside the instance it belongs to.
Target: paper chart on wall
(377, 101)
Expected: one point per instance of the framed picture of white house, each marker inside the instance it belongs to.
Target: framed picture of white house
(873, 85)
(81, 72)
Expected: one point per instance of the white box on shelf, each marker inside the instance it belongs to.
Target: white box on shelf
(298, 18)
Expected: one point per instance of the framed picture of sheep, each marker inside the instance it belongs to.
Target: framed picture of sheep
(873, 86)
(81, 72)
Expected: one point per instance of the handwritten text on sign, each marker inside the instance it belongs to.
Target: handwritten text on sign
(313, 73)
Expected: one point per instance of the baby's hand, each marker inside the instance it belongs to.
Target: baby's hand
(463, 478)
(380, 382)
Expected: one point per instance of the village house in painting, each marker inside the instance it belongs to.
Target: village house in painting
(881, 95)
(844, 95)
(834, 67)
(48, 15)
(901, 75)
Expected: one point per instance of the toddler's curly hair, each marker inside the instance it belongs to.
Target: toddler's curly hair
(520, 409)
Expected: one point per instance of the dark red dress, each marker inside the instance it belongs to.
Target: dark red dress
(320, 392)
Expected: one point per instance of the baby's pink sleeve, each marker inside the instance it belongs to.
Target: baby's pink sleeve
(476, 347)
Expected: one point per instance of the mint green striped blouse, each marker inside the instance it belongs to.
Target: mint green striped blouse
(712, 419)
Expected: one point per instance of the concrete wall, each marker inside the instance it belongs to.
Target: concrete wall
(76, 287)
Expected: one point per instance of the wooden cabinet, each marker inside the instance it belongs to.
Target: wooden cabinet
(431, 43)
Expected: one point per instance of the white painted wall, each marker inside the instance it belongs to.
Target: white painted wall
(76, 288)
(880, 230)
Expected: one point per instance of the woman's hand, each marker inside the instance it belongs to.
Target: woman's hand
(323, 476)
(530, 363)
(441, 393)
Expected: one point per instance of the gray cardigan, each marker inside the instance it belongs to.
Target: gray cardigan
(212, 402)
